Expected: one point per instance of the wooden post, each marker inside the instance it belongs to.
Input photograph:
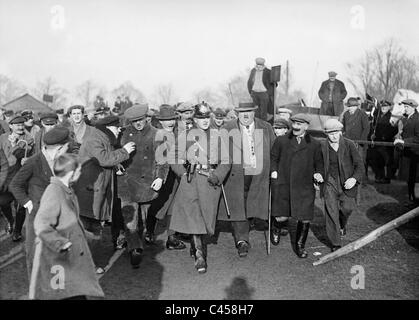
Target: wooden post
(373, 235)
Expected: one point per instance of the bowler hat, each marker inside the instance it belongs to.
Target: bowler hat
(136, 112)
(245, 106)
(166, 113)
(332, 125)
(301, 117)
(410, 102)
(109, 121)
(57, 135)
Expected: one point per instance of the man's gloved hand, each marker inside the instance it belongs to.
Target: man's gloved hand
(213, 179)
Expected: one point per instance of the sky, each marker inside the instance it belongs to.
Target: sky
(194, 44)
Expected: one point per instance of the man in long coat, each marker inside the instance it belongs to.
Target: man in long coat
(144, 177)
(31, 180)
(100, 154)
(296, 164)
(332, 92)
(247, 183)
(204, 167)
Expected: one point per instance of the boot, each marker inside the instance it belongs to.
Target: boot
(301, 237)
(277, 230)
(200, 255)
(20, 220)
(174, 243)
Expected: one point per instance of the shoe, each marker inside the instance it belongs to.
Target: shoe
(275, 236)
(120, 242)
(200, 261)
(135, 258)
(173, 243)
(301, 237)
(149, 238)
(9, 228)
(16, 237)
(242, 248)
(334, 248)
(343, 232)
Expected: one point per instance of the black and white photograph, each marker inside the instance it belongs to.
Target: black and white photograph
(211, 155)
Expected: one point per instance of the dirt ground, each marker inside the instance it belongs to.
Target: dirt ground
(391, 263)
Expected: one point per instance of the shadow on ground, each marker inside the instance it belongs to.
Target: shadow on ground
(239, 290)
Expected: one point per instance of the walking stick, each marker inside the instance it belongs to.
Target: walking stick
(269, 221)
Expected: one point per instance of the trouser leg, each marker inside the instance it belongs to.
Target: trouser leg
(347, 206)
(29, 242)
(133, 225)
(20, 219)
(7, 212)
(263, 105)
(331, 200)
(241, 230)
(151, 219)
(117, 220)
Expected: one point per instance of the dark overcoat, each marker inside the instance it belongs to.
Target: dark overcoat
(141, 168)
(95, 187)
(338, 95)
(293, 192)
(55, 274)
(258, 195)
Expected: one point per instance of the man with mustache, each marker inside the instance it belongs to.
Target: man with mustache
(296, 164)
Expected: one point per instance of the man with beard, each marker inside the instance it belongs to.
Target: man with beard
(31, 180)
(410, 159)
(17, 147)
(139, 188)
(100, 154)
(296, 164)
(166, 150)
(30, 125)
(343, 169)
(247, 184)
(332, 92)
(185, 111)
(201, 173)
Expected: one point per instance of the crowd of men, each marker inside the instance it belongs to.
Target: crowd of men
(126, 182)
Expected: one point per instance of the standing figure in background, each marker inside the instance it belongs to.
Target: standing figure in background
(261, 89)
(281, 127)
(332, 92)
(77, 124)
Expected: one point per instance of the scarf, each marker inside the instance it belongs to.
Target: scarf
(79, 130)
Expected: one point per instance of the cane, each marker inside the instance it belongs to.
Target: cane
(269, 222)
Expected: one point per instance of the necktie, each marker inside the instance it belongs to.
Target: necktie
(298, 140)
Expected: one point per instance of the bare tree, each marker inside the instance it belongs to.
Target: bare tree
(86, 92)
(128, 89)
(383, 70)
(164, 93)
(50, 87)
(9, 89)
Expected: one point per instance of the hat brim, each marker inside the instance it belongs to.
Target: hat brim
(137, 118)
(207, 116)
(332, 130)
(244, 109)
(166, 118)
(300, 121)
(49, 121)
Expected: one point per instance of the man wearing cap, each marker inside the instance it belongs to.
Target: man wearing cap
(78, 126)
(410, 160)
(30, 126)
(48, 121)
(201, 169)
(296, 164)
(100, 153)
(218, 118)
(8, 115)
(281, 127)
(356, 126)
(31, 180)
(247, 184)
(261, 89)
(343, 170)
(283, 113)
(144, 177)
(18, 147)
(332, 92)
(383, 163)
(185, 111)
(162, 205)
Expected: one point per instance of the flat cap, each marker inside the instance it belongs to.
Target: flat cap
(202, 111)
(332, 125)
(410, 102)
(245, 106)
(48, 117)
(283, 110)
(17, 119)
(102, 109)
(219, 113)
(260, 61)
(332, 74)
(9, 113)
(166, 112)
(281, 123)
(109, 121)
(57, 135)
(185, 106)
(27, 113)
(136, 112)
(353, 102)
(301, 117)
(77, 106)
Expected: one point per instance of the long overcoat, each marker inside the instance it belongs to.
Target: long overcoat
(195, 203)
(55, 274)
(258, 195)
(141, 168)
(293, 192)
(338, 95)
(95, 187)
